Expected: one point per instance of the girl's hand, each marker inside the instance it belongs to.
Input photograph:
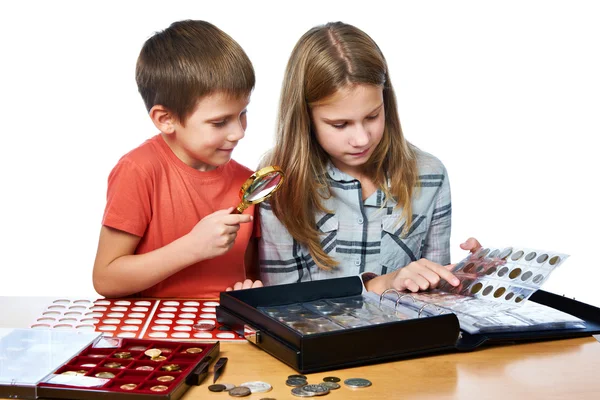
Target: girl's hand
(416, 276)
(471, 244)
(247, 284)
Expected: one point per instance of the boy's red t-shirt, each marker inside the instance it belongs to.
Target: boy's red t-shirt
(155, 195)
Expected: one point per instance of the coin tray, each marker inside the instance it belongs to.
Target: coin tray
(142, 383)
(281, 320)
(138, 318)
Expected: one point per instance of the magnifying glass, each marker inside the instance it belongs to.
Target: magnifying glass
(259, 187)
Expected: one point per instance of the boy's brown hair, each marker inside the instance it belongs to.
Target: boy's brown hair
(189, 60)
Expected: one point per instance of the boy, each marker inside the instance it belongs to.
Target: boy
(167, 229)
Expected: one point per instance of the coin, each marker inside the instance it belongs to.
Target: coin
(216, 388)
(193, 350)
(145, 368)
(165, 350)
(159, 388)
(152, 353)
(296, 382)
(331, 379)
(137, 348)
(97, 355)
(331, 385)
(203, 327)
(228, 386)
(317, 390)
(107, 375)
(298, 376)
(128, 386)
(240, 391)
(123, 354)
(165, 378)
(170, 367)
(357, 382)
(88, 365)
(159, 358)
(297, 391)
(74, 373)
(257, 386)
(112, 365)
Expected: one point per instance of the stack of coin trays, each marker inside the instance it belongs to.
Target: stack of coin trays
(130, 366)
(332, 314)
(507, 275)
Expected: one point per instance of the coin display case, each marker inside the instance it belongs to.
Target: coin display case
(170, 319)
(290, 323)
(107, 368)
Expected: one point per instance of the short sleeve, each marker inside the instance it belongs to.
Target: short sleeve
(128, 202)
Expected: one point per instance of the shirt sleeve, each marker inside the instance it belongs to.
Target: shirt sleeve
(128, 202)
(437, 241)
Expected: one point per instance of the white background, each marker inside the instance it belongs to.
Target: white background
(506, 94)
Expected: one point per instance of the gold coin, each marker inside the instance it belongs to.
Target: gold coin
(107, 375)
(159, 388)
(159, 358)
(128, 386)
(171, 367)
(165, 378)
(193, 350)
(152, 353)
(88, 365)
(123, 354)
(97, 355)
(145, 368)
(112, 365)
(137, 348)
(74, 373)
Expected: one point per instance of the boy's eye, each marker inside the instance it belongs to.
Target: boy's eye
(219, 124)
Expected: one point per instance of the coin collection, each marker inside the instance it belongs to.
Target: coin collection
(142, 319)
(509, 275)
(332, 314)
(135, 366)
(298, 383)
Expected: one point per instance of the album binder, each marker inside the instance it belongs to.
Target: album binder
(331, 324)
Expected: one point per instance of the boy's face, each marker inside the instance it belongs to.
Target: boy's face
(211, 132)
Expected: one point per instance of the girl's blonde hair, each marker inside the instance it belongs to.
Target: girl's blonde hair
(326, 59)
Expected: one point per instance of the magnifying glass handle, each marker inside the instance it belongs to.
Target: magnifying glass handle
(239, 209)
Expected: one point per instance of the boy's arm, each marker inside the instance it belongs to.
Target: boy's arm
(119, 272)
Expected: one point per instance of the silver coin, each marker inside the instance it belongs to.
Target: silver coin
(257, 386)
(357, 382)
(300, 393)
(317, 390)
(297, 376)
(228, 386)
(331, 385)
(239, 391)
(296, 382)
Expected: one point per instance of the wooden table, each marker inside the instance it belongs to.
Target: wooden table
(562, 369)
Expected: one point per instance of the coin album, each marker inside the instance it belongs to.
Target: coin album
(331, 324)
(42, 364)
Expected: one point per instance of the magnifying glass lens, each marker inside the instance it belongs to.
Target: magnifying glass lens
(262, 186)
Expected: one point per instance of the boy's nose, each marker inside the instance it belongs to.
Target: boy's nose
(237, 133)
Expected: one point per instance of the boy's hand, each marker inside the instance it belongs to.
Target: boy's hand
(247, 284)
(416, 276)
(215, 234)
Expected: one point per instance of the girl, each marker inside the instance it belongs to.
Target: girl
(359, 198)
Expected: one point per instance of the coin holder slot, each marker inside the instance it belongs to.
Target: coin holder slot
(158, 374)
(115, 384)
(124, 363)
(96, 370)
(182, 365)
(133, 374)
(146, 387)
(79, 361)
(73, 368)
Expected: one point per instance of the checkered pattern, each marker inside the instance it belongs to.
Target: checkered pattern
(362, 235)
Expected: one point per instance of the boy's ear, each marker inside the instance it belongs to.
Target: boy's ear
(163, 119)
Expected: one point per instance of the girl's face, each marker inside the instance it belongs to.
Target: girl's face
(350, 126)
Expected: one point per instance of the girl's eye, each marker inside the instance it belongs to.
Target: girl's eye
(373, 116)
(340, 126)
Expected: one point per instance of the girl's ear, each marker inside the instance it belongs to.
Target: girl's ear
(163, 119)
